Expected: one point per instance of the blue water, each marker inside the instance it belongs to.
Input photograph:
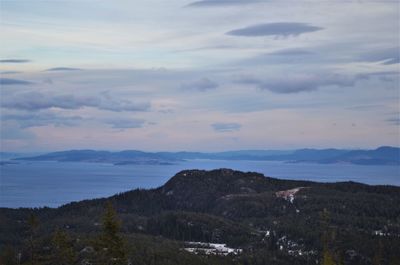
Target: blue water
(37, 184)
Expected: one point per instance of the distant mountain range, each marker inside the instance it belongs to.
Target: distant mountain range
(384, 155)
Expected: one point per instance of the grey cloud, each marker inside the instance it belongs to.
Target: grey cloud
(226, 127)
(291, 56)
(212, 3)
(283, 29)
(42, 119)
(385, 76)
(299, 83)
(10, 81)
(392, 61)
(32, 101)
(126, 123)
(55, 69)
(9, 131)
(203, 84)
(366, 107)
(14, 61)
(387, 56)
(10, 72)
(380, 73)
(291, 52)
(210, 47)
(394, 121)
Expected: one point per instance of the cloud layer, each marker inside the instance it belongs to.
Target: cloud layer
(15, 61)
(188, 74)
(33, 101)
(226, 127)
(27, 120)
(212, 3)
(10, 82)
(56, 69)
(202, 85)
(386, 56)
(300, 83)
(281, 29)
(126, 123)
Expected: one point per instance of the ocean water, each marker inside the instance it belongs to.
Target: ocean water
(39, 184)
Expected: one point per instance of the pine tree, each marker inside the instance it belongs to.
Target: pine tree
(110, 245)
(33, 225)
(377, 258)
(8, 256)
(62, 246)
(327, 258)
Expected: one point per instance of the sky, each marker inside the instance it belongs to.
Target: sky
(207, 75)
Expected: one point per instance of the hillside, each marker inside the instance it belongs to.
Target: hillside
(268, 220)
(381, 156)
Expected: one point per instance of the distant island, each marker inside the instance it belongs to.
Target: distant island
(384, 155)
(211, 218)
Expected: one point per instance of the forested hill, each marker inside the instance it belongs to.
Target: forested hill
(261, 220)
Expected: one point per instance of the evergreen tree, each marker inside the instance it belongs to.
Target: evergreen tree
(33, 225)
(8, 256)
(327, 258)
(111, 247)
(62, 248)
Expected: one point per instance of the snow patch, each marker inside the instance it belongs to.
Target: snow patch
(211, 249)
(288, 195)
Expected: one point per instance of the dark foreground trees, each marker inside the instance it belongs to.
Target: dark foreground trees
(110, 246)
(63, 252)
(360, 225)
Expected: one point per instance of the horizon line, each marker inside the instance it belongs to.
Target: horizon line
(179, 151)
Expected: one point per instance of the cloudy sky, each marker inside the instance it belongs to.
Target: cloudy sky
(204, 75)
